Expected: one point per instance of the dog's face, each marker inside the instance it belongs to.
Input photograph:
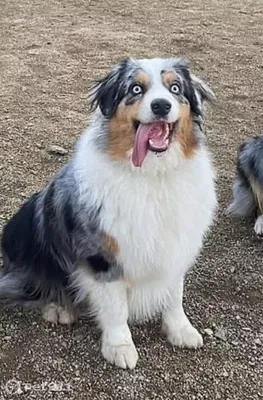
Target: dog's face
(150, 105)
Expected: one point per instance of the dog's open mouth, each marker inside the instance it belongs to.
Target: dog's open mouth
(155, 136)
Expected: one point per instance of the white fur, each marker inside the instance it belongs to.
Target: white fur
(109, 304)
(176, 325)
(158, 214)
(156, 91)
(54, 313)
(258, 228)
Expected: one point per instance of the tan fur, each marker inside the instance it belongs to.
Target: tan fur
(258, 194)
(168, 78)
(110, 244)
(184, 131)
(143, 79)
(121, 131)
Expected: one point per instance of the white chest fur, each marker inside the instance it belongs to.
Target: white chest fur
(159, 221)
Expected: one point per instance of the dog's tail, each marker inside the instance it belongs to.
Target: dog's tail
(243, 204)
(14, 288)
(10, 286)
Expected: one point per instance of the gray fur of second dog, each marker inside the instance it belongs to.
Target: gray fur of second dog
(248, 185)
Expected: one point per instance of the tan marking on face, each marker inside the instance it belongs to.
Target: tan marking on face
(168, 78)
(121, 131)
(184, 131)
(109, 244)
(143, 79)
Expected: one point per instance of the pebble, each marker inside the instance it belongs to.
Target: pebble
(224, 373)
(79, 337)
(54, 149)
(220, 334)
(208, 331)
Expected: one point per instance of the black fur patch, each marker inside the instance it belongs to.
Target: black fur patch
(40, 257)
(31, 259)
(255, 161)
(108, 92)
(240, 170)
(250, 160)
(98, 263)
(188, 89)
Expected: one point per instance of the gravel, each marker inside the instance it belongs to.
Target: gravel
(50, 51)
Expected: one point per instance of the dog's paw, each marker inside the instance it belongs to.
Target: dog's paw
(123, 356)
(54, 313)
(258, 227)
(184, 336)
(118, 347)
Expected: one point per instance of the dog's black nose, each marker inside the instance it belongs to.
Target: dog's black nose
(161, 107)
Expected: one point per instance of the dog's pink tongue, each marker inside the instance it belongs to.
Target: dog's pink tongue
(143, 134)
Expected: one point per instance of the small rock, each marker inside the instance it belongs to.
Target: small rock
(208, 332)
(235, 343)
(258, 342)
(220, 334)
(78, 338)
(54, 149)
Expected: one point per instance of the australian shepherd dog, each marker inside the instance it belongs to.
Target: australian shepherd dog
(115, 231)
(248, 184)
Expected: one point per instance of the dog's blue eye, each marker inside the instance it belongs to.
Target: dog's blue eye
(136, 89)
(175, 88)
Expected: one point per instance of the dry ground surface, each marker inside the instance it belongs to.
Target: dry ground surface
(49, 53)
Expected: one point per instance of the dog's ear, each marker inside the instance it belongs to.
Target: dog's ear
(108, 92)
(204, 93)
(191, 87)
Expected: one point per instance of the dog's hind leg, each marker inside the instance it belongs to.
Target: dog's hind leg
(59, 307)
(55, 303)
(55, 313)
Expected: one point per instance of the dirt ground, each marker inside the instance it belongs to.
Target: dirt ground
(50, 51)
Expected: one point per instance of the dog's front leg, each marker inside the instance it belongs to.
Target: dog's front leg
(110, 304)
(258, 227)
(179, 330)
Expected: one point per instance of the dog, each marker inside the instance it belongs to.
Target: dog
(248, 185)
(115, 231)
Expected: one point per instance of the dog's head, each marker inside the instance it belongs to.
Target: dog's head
(150, 105)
